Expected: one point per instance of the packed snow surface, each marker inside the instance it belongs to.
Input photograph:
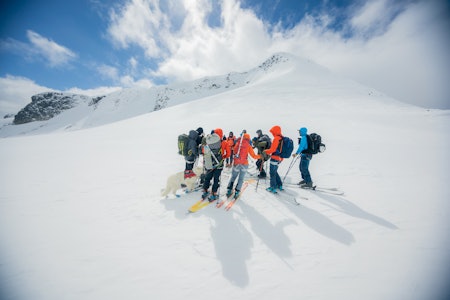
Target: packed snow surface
(81, 216)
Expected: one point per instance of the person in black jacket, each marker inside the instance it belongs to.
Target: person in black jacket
(195, 138)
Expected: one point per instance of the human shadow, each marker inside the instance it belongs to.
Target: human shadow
(343, 205)
(272, 235)
(232, 242)
(319, 223)
(180, 205)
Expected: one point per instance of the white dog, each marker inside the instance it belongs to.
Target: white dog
(177, 181)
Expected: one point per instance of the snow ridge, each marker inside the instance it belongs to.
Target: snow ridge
(126, 103)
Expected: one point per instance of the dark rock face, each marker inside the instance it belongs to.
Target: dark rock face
(45, 106)
(273, 60)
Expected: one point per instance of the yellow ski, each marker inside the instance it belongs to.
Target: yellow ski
(199, 205)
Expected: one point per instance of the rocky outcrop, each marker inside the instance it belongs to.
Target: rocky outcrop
(45, 106)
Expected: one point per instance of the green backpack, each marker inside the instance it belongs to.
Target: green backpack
(183, 140)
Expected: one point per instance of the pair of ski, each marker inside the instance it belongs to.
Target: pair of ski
(327, 190)
(230, 201)
(288, 197)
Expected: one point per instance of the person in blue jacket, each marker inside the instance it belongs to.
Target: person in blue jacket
(305, 158)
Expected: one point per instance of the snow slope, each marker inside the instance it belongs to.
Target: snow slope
(81, 216)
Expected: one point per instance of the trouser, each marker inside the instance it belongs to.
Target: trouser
(189, 166)
(215, 175)
(239, 172)
(190, 161)
(260, 165)
(304, 167)
(229, 159)
(275, 180)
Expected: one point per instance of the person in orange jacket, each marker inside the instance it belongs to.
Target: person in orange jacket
(240, 165)
(226, 149)
(275, 160)
(215, 151)
(231, 140)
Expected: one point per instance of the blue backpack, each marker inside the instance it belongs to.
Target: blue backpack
(286, 147)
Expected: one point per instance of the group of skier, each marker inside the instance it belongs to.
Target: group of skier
(219, 151)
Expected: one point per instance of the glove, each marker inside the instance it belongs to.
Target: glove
(294, 155)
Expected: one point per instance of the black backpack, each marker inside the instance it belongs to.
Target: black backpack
(315, 144)
(266, 139)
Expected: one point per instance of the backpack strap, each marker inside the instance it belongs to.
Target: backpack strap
(212, 153)
(280, 146)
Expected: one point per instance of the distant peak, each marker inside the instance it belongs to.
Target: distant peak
(275, 59)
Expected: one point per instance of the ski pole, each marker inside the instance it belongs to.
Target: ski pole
(261, 167)
(290, 167)
(240, 143)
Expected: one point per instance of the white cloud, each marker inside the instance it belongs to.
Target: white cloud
(53, 53)
(193, 49)
(133, 62)
(125, 78)
(40, 48)
(108, 72)
(400, 48)
(16, 92)
(370, 17)
(141, 23)
(409, 61)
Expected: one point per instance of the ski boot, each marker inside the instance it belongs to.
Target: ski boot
(272, 190)
(213, 197)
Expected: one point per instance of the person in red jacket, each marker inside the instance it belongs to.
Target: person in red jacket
(240, 164)
(275, 160)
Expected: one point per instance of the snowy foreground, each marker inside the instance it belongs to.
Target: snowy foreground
(81, 215)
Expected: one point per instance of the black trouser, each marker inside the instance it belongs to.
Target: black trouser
(260, 165)
(189, 166)
(212, 174)
(190, 161)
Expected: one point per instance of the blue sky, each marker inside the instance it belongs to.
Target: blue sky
(399, 47)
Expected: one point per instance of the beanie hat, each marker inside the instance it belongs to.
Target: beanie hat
(199, 130)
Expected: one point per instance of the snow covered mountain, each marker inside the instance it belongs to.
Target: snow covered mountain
(81, 216)
(80, 111)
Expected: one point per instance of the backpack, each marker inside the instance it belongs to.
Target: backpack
(286, 147)
(315, 144)
(213, 152)
(183, 140)
(266, 138)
